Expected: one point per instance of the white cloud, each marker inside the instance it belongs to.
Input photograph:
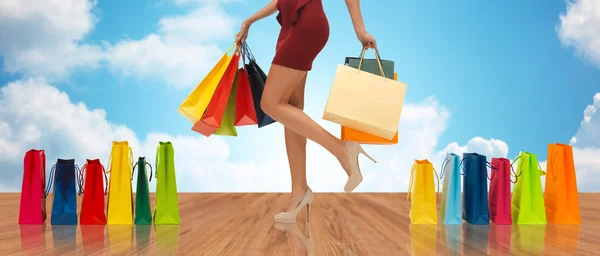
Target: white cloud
(182, 51)
(579, 28)
(40, 37)
(588, 135)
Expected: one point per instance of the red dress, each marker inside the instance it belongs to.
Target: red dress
(304, 33)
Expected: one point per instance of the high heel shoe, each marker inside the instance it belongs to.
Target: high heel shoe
(290, 217)
(355, 178)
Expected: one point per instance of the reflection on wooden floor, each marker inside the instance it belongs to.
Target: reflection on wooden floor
(341, 224)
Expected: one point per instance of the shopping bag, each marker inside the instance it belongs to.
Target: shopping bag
(64, 202)
(499, 195)
(120, 197)
(92, 178)
(422, 193)
(32, 208)
(365, 102)
(370, 65)
(560, 196)
(194, 105)
(257, 79)
(167, 204)
(475, 195)
(527, 199)
(227, 127)
(245, 114)
(451, 208)
(143, 214)
(211, 120)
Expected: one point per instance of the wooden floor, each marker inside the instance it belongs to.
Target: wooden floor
(341, 224)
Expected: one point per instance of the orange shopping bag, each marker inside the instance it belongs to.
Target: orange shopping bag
(560, 196)
(365, 138)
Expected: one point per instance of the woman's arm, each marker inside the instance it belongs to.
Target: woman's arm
(359, 26)
(356, 15)
(266, 11)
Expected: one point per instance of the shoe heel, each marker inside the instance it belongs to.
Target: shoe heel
(308, 212)
(362, 151)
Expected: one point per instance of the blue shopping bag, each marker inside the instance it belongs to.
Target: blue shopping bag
(64, 205)
(451, 208)
(475, 195)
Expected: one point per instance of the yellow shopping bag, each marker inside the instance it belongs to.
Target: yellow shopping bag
(423, 204)
(195, 103)
(120, 198)
(364, 101)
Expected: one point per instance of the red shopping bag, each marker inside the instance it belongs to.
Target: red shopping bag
(33, 196)
(244, 105)
(211, 120)
(499, 195)
(93, 190)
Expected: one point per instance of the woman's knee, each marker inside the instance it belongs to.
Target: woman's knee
(268, 105)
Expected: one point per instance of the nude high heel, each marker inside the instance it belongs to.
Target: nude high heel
(290, 217)
(353, 149)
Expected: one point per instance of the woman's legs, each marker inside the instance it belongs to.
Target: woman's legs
(279, 87)
(295, 145)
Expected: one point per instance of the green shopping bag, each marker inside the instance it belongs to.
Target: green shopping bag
(143, 214)
(227, 127)
(167, 205)
(528, 198)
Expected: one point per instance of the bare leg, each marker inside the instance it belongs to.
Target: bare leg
(280, 85)
(295, 145)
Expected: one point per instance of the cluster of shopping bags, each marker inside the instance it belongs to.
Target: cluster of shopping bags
(228, 96)
(68, 181)
(366, 100)
(527, 204)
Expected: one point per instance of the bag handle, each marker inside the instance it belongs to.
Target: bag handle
(80, 175)
(149, 165)
(50, 181)
(463, 163)
(156, 163)
(410, 182)
(43, 173)
(493, 170)
(105, 179)
(446, 161)
(512, 170)
(362, 57)
(78, 170)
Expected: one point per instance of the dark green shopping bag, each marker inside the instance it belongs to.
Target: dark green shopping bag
(143, 215)
(167, 203)
(371, 66)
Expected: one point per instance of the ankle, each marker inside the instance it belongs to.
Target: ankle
(299, 188)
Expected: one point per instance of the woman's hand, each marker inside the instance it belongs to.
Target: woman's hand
(243, 34)
(366, 39)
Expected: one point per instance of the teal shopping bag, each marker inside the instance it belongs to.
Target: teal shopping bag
(451, 208)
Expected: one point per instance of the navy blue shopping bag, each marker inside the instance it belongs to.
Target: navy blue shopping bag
(64, 205)
(475, 192)
(257, 78)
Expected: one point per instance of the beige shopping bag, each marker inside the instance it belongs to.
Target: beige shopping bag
(364, 101)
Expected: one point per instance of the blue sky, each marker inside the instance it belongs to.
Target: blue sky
(502, 72)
